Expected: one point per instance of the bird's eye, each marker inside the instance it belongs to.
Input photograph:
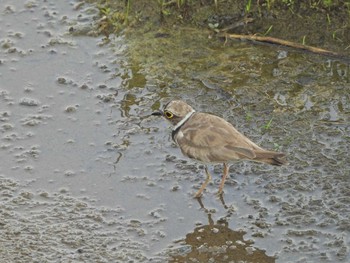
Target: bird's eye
(168, 114)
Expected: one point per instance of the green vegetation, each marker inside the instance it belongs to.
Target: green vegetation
(122, 9)
(268, 30)
(248, 6)
(248, 116)
(267, 126)
(113, 20)
(326, 23)
(304, 40)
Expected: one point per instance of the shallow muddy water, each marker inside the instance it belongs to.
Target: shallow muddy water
(87, 175)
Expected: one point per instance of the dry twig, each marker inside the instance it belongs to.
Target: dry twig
(282, 42)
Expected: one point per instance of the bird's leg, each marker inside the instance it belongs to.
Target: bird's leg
(207, 180)
(223, 178)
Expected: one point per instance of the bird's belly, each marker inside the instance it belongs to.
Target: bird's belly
(207, 155)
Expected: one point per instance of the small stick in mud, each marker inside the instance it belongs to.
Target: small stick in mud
(282, 42)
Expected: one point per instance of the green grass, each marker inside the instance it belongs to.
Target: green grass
(304, 40)
(122, 13)
(268, 30)
(267, 126)
(248, 6)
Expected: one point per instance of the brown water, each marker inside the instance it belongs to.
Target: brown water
(86, 175)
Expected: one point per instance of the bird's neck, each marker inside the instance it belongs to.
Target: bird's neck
(182, 122)
(179, 125)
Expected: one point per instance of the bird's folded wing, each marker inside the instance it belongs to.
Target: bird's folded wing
(249, 153)
(208, 142)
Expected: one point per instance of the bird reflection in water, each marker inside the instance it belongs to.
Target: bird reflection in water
(216, 242)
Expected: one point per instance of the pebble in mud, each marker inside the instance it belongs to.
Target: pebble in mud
(102, 86)
(71, 109)
(6, 43)
(84, 86)
(29, 102)
(4, 95)
(6, 127)
(28, 168)
(62, 80)
(5, 114)
(69, 173)
(106, 97)
(34, 120)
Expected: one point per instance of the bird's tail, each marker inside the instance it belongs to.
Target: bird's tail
(270, 157)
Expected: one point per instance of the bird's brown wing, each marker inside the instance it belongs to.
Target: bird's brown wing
(209, 138)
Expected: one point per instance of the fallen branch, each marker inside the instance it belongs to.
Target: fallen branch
(282, 42)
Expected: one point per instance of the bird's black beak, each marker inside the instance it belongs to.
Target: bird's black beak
(157, 113)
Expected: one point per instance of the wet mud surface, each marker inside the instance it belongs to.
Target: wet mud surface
(87, 175)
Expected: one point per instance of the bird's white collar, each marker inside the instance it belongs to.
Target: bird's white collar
(180, 123)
